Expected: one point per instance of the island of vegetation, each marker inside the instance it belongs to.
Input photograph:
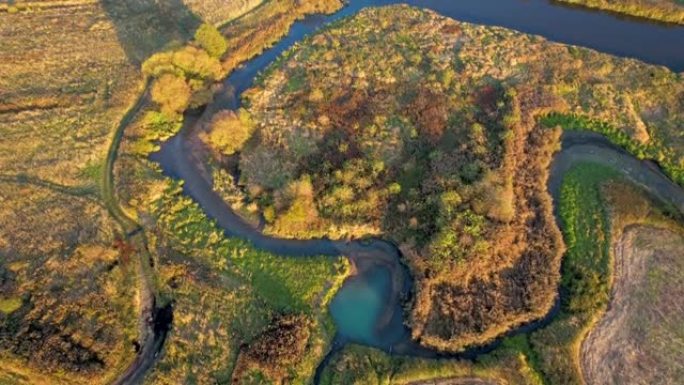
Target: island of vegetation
(669, 11)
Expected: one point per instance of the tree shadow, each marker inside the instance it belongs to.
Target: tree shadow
(147, 26)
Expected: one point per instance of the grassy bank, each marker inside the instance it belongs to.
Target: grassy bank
(664, 153)
(360, 365)
(669, 11)
(586, 273)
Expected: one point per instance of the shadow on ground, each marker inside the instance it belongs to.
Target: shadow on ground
(147, 26)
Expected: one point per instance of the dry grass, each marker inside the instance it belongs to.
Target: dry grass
(639, 339)
(221, 11)
(77, 314)
(58, 100)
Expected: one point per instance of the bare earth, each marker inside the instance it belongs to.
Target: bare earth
(640, 340)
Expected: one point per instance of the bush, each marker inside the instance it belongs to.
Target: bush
(283, 343)
(172, 93)
(189, 62)
(229, 131)
(209, 38)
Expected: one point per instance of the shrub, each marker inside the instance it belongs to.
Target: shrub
(282, 344)
(9, 305)
(189, 62)
(209, 38)
(172, 93)
(229, 131)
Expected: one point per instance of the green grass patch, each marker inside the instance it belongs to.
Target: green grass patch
(286, 284)
(296, 82)
(585, 273)
(587, 236)
(362, 365)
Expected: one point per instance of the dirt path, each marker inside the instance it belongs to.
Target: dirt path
(152, 334)
(637, 341)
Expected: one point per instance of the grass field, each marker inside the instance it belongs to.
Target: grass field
(640, 338)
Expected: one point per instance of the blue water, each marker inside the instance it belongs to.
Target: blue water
(358, 306)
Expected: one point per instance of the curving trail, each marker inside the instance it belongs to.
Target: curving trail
(154, 320)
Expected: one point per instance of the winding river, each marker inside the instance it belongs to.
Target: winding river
(367, 309)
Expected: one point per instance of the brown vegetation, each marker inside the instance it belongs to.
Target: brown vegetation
(228, 131)
(281, 344)
(388, 152)
(76, 317)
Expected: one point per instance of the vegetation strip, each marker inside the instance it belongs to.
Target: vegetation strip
(669, 11)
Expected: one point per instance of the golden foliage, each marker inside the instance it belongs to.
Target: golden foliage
(172, 93)
(229, 131)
